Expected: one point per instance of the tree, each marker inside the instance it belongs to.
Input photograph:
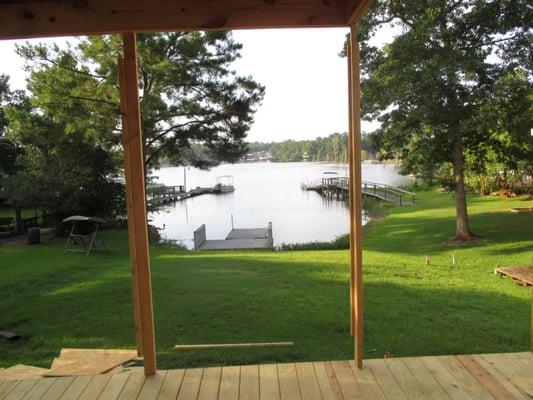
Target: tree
(432, 84)
(10, 151)
(190, 96)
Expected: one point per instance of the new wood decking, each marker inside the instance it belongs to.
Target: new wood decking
(488, 376)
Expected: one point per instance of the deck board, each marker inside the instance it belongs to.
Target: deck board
(485, 376)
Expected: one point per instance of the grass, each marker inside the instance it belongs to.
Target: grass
(56, 299)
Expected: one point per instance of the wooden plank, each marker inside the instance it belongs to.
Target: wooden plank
(289, 387)
(408, 382)
(505, 380)
(308, 381)
(389, 385)
(6, 387)
(59, 18)
(58, 388)
(76, 388)
(95, 387)
(329, 387)
(83, 354)
(367, 382)
(135, 167)
(356, 197)
(113, 387)
(230, 345)
(249, 386)
(346, 379)
(129, 208)
(171, 385)
(190, 384)
(425, 379)
(39, 389)
(229, 383)
(152, 386)
(133, 385)
(485, 378)
(268, 382)
(86, 367)
(21, 371)
(356, 9)
(520, 376)
(20, 389)
(444, 377)
(210, 384)
(463, 378)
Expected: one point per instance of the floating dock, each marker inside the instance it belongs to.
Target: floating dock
(254, 238)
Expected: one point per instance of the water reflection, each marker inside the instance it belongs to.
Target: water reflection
(265, 192)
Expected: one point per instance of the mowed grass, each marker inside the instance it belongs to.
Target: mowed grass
(57, 299)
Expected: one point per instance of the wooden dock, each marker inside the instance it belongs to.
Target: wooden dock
(160, 195)
(487, 376)
(520, 275)
(255, 238)
(338, 187)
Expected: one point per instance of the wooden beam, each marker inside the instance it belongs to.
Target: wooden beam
(351, 190)
(129, 201)
(230, 345)
(356, 197)
(356, 9)
(137, 203)
(32, 18)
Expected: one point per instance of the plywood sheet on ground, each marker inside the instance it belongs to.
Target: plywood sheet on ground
(21, 371)
(521, 275)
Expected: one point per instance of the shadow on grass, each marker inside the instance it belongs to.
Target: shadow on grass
(76, 301)
(411, 234)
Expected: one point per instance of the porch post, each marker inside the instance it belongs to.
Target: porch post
(356, 209)
(137, 223)
(127, 179)
(350, 189)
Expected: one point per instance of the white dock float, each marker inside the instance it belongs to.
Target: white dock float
(254, 238)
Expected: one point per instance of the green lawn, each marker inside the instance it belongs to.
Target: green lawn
(56, 299)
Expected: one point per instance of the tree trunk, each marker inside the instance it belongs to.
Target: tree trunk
(462, 228)
(18, 220)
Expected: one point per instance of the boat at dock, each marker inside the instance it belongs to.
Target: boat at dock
(224, 184)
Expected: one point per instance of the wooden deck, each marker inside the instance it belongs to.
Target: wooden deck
(520, 275)
(488, 376)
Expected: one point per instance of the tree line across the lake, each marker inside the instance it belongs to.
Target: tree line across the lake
(452, 91)
(332, 148)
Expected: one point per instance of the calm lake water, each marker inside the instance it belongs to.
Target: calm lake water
(264, 192)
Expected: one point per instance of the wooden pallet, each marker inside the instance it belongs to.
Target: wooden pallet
(520, 275)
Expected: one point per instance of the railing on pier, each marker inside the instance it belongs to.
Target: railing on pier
(379, 190)
(157, 194)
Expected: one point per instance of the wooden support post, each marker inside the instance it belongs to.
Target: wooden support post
(350, 189)
(356, 208)
(137, 221)
(127, 179)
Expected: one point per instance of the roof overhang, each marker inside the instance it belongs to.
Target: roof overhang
(21, 19)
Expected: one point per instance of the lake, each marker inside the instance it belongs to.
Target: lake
(264, 192)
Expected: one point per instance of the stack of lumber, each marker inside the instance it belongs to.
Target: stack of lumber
(20, 371)
(90, 362)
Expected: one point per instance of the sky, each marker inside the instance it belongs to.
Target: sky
(305, 79)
